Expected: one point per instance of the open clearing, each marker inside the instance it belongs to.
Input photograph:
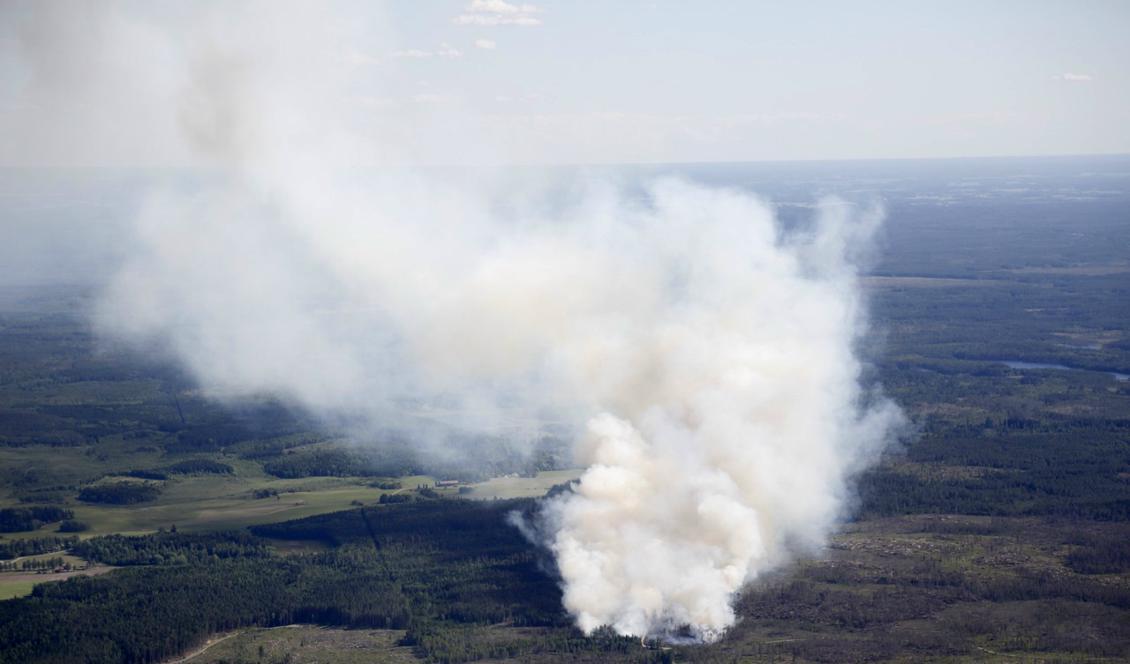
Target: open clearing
(300, 644)
(224, 502)
(925, 282)
(18, 584)
(1076, 270)
(522, 487)
(216, 503)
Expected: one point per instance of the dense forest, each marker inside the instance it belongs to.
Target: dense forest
(444, 571)
(32, 547)
(998, 528)
(427, 568)
(22, 519)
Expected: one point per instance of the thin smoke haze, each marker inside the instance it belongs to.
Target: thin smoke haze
(704, 356)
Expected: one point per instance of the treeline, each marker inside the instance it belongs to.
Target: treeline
(491, 458)
(170, 548)
(445, 643)
(1074, 472)
(834, 622)
(450, 572)
(73, 526)
(33, 547)
(391, 498)
(266, 449)
(435, 569)
(146, 474)
(220, 429)
(331, 462)
(886, 492)
(206, 437)
(23, 519)
(198, 466)
(186, 467)
(120, 493)
(35, 565)
(1099, 556)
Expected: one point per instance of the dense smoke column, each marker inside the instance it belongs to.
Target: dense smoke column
(704, 356)
(730, 441)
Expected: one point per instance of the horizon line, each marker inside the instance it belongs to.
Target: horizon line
(532, 164)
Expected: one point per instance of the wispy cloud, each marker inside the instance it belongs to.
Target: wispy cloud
(430, 98)
(412, 53)
(500, 7)
(448, 51)
(1068, 76)
(445, 50)
(523, 98)
(498, 12)
(485, 43)
(358, 59)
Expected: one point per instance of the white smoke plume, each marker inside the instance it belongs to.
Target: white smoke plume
(705, 356)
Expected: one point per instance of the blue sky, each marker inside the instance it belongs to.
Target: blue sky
(556, 81)
(704, 81)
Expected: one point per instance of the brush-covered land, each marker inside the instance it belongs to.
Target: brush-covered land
(143, 521)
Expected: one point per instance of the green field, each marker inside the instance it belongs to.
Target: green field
(18, 584)
(203, 503)
(223, 502)
(10, 589)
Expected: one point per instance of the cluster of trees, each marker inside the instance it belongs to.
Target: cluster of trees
(266, 449)
(208, 437)
(390, 498)
(26, 427)
(73, 526)
(23, 519)
(491, 458)
(146, 474)
(186, 467)
(447, 644)
(332, 461)
(1100, 556)
(450, 571)
(208, 429)
(34, 565)
(965, 605)
(171, 548)
(120, 493)
(431, 568)
(32, 547)
(198, 466)
(1069, 469)
(996, 442)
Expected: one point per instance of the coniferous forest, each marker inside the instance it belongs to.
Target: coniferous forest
(142, 520)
